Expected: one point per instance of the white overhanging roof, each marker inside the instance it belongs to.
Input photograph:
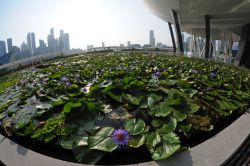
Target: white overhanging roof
(230, 15)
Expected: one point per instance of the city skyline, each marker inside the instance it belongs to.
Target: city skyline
(62, 43)
(29, 48)
(87, 22)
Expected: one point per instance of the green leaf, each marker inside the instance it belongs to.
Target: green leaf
(184, 83)
(87, 156)
(170, 138)
(131, 99)
(127, 80)
(102, 141)
(68, 106)
(174, 99)
(113, 96)
(194, 108)
(137, 141)
(168, 127)
(91, 106)
(191, 92)
(161, 110)
(153, 139)
(179, 115)
(67, 143)
(83, 141)
(134, 126)
(153, 99)
(107, 145)
(184, 127)
(164, 150)
(162, 146)
(73, 88)
(137, 83)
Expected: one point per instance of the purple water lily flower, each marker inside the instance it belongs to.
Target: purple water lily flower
(102, 71)
(120, 137)
(157, 74)
(67, 84)
(64, 79)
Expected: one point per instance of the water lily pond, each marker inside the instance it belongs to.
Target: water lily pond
(102, 103)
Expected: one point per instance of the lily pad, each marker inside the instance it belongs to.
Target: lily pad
(102, 141)
(68, 106)
(134, 126)
(137, 141)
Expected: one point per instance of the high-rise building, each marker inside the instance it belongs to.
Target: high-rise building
(52, 43)
(42, 49)
(2, 48)
(128, 44)
(9, 44)
(103, 44)
(24, 47)
(31, 42)
(66, 42)
(151, 38)
(61, 41)
(42, 44)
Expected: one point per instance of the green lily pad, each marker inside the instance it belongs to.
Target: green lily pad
(168, 127)
(68, 106)
(87, 156)
(161, 146)
(194, 108)
(137, 141)
(153, 99)
(134, 126)
(153, 139)
(67, 143)
(107, 145)
(102, 140)
(161, 110)
(131, 99)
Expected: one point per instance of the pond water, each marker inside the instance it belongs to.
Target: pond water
(72, 108)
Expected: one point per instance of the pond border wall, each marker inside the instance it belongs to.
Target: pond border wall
(215, 151)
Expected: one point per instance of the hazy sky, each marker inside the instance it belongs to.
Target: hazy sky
(87, 21)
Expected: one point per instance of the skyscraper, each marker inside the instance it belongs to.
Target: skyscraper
(52, 43)
(2, 48)
(9, 43)
(24, 47)
(103, 44)
(66, 42)
(151, 38)
(42, 44)
(31, 42)
(128, 44)
(61, 41)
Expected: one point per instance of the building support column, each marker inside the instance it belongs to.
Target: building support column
(172, 36)
(207, 46)
(177, 30)
(243, 54)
